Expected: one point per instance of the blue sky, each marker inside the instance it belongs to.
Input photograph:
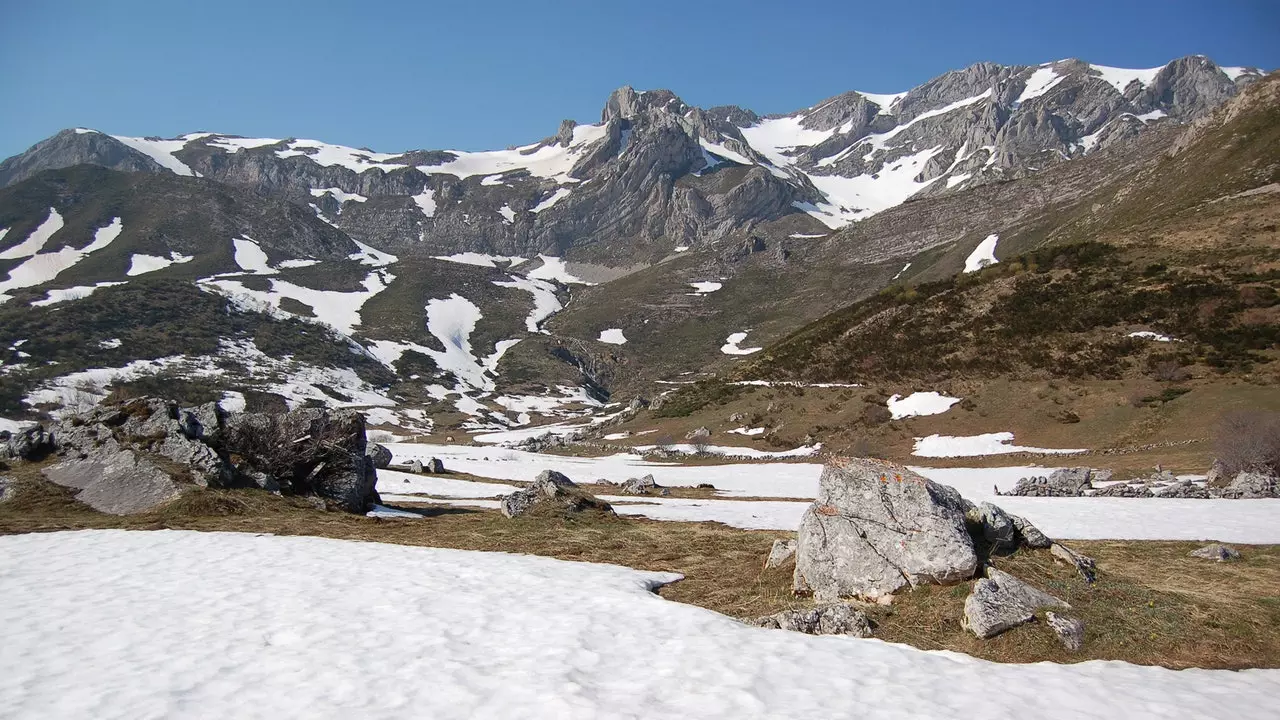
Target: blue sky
(397, 75)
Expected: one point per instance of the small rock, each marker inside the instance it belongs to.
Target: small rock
(782, 551)
(639, 486)
(1070, 631)
(698, 434)
(1023, 592)
(435, 465)
(380, 455)
(989, 610)
(833, 619)
(415, 466)
(1082, 563)
(1217, 552)
(1029, 534)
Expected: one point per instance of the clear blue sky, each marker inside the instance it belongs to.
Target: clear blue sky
(475, 74)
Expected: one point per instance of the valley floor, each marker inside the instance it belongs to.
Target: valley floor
(112, 624)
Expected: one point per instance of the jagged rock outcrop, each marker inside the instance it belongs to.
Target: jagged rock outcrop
(132, 457)
(876, 527)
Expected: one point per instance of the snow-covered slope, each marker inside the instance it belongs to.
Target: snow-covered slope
(232, 625)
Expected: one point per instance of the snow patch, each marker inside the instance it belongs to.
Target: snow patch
(141, 264)
(426, 202)
(998, 443)
(39, 268)
(554, 268)
(731, 347)
(162, 151)
(983, 255)
(920, 403)
(1120, 78)
(613, 336)
(38, 238)
(79, 292)
(705, 288)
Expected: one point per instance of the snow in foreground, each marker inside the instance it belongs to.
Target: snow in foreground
(115, 624)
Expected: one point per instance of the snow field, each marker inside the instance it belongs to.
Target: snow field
(41, 267)
(114, 624)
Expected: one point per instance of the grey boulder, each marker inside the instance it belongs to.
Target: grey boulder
(832, 619)
(1066, 482)
(1250, 485)
(415, 466)
(380, 456)
(435, 465)
(1220, 553)
(639, 486)
(998, 529)
(782, 551)
(876, 527)
(550, 488)
(28, 443)
(989, 610)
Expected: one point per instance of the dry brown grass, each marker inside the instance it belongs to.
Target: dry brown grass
(1152, 604)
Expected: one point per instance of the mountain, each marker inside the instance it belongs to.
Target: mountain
(482, 289)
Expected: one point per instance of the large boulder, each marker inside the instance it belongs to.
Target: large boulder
(116, 482)
(832, 619)
(29, 443)
(877, 527)
(551, 490)
(307, 451)
(380, 456)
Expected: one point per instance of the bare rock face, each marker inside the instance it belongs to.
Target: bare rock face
(1220, 553)
(782, 551)
(833, 619)
(115, 481)
(877, 527)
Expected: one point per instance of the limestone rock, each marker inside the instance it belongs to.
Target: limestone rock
(415, 466)
(1066, 482)
(1069, 630)
(119, 483)
(435, 465)
(997, 528)
(380, 455)
(29, 443)
(1029, 534)
(782, 551)
(8, 488)
(1250, 485)
(990, 610)
(1023, 592)
(698, 434)
(1180, 489)
(207, 469)
(1220, 553)
(1121, 489)
(639, 486)
(203, 422)
(554, 490)
(832, 619)
(1082, 563)
(877, 527)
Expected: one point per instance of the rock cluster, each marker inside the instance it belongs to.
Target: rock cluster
(877, 527)
(132, 457)
(551, 490)
(1086, 482)
(831, 619)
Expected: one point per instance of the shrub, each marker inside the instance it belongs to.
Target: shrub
(1249, 441)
